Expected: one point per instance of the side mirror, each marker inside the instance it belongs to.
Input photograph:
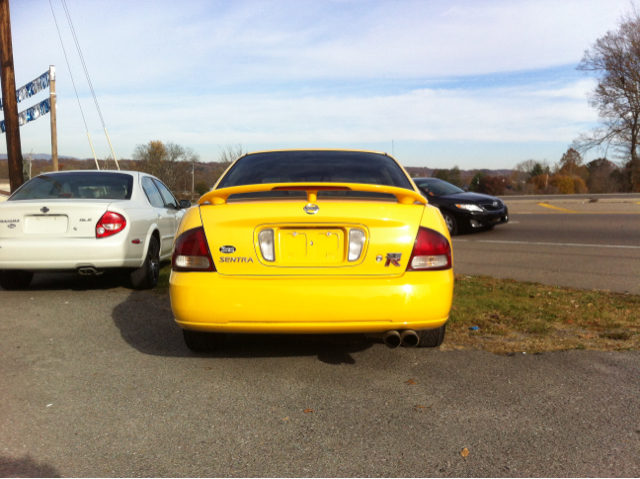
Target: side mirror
(184, 204)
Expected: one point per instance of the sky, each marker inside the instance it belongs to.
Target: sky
(477, 84)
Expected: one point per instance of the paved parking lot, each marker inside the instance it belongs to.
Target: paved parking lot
(96, 381)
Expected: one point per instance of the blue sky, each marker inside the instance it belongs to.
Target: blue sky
(478, 84)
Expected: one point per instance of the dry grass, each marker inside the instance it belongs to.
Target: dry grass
(514, 316)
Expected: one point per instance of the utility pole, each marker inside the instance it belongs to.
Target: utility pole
(193, 178)
(52, 113)
(9, 100)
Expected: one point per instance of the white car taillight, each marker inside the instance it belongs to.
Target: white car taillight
(431, 251)
(265, 239)
(110, 224)
(191, 253)
(356, 243)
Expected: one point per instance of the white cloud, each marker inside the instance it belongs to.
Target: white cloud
(515, 114)
(156, 45)
(191, 71)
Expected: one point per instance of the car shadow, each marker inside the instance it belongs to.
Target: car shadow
(26, 467)
(76, 282)
(146, 323)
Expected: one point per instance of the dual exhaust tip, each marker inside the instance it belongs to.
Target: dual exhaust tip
(407, 338)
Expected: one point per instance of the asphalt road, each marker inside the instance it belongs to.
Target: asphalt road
(97, 382)
(581, 245)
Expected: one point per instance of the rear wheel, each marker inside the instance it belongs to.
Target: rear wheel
(431, 338)
(452, 224)
(15, 279)
(203, 342)
(146, 276)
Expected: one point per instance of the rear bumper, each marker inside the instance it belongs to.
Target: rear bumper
(69, 254)
(253, 304)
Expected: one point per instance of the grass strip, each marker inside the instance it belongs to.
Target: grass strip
(513, 316)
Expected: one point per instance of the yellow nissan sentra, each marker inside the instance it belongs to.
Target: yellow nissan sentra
(313, 241)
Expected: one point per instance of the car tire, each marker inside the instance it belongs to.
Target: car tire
(452, 224)
(147, 275)
(15, 279)
(431, 338)
(200, 342)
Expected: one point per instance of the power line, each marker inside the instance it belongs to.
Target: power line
(86, 72)
(84, 65)
(74, 84)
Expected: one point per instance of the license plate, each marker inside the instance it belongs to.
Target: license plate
(304, 246)
(46, 225)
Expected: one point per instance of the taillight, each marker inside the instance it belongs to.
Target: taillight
(110, 224)
(191, 252)
(356, 243)
(265, 239)
(431, 252)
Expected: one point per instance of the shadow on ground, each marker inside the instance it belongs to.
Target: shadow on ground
(25, 467)
(146, 322)
(76, 282)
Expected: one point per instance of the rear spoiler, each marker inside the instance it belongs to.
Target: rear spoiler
(404, 196)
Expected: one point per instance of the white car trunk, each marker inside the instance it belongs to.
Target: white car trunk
(51, 218)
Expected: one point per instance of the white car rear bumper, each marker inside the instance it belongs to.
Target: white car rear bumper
(43, 254)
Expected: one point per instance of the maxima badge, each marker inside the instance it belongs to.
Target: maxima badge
(227, 249)
(311, 209)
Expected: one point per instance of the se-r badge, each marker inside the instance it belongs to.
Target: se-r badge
(393, 258)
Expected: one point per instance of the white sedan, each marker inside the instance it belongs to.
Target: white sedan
(88, 222)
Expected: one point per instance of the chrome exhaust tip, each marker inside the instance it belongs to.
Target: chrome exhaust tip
(392, 339)
(409, 338)
(88, 271)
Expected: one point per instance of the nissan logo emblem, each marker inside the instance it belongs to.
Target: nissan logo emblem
(311, 209)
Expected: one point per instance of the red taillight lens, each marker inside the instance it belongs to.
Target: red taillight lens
(191, 252)
(431, 252)
(110, 224)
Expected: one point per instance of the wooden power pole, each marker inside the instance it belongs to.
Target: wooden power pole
(54, 127)
(9, 100)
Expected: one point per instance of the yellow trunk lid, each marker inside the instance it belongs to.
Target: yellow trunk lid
(310, 245)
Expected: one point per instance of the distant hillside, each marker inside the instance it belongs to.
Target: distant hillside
(204, 172)
(38, 156)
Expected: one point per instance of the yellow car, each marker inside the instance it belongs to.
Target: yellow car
(313, 241)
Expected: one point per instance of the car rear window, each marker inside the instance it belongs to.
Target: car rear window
(316, 167)
(438, 187)
(83, 185)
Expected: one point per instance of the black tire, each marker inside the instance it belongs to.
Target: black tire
(146, 276)
(15, 279)
(431, 338)
(452, 224)
(203, 342)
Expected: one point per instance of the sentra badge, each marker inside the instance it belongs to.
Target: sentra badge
(311, 209)
(393, 258)
(235, 259)
(227, 249)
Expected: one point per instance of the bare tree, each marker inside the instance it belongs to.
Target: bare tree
(171, 163)
(226, 157)
(229, 154)
(615, 60)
